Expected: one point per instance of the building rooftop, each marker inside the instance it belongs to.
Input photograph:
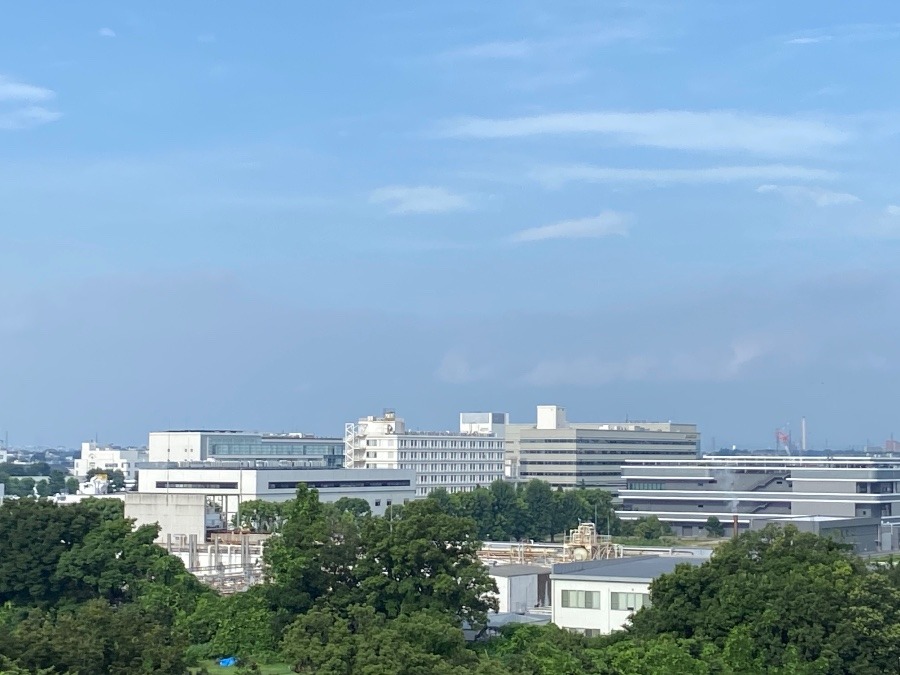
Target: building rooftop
(517, 570)
(643, 568)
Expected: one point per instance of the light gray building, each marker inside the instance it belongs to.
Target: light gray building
(209, 445)
(684, 493)
(589, 454)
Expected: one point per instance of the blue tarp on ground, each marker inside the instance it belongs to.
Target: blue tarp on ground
(228, 661)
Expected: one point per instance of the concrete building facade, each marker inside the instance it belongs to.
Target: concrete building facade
(109, 458)
(579, 454)
(227, 484)
(457, 461)
(209, 445)
(598, 597)
(684, 493)
(521, 588)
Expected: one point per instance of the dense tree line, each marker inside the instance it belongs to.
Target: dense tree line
(82, 591)
(19, 480)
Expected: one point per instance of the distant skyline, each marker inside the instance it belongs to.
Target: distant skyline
(285, 217)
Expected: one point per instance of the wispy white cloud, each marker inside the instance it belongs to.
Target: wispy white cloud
(106, 32)
(418, 199)
(809, 40)
(711, 131)
(892, 210)
(556, 176)
(535, 47)
(13, 90)
(802, 193)
(607, 224)
(18, 109)
(857, 32)
(511, 49)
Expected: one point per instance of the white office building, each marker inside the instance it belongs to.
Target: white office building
(202, 445)
(109, 458)
(589, 454)
(521, 588)
(458, 461)
(597, 597)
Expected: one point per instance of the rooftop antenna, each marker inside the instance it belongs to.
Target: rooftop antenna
(803, 435)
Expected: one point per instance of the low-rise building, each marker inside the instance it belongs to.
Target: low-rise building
(685, 493)
(226, 484)
(109, 458)
(456, 461)
(597, 597)
(210, 445)
(521, 588)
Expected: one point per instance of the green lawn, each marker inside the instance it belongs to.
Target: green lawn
(272, 669)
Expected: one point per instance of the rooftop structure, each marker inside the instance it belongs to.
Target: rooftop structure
(216, 445)
(458, 461)
(590, 454)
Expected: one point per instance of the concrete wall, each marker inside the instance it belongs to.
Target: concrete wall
(175, 514)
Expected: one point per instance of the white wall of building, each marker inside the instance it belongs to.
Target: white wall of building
(176, 514)
(108, 459)
(232, 485)
(602, 620)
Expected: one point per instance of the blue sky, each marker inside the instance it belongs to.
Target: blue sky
(286, 216)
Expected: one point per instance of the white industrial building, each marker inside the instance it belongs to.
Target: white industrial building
(597, 597)
(684, 493)
(589, 454)
(521, 588)
(109, 458)
(201, 445)
(457, 461)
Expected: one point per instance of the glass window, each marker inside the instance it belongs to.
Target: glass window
(630, 602)
(581, 599)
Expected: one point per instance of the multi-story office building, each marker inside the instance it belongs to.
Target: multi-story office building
(685, 493)
(205, 445)
(108, 459)
(457, 461)
(580, 454)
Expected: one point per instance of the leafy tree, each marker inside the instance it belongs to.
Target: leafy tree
(714, 527)
(327, 643)
(294, 558)
(781, 598)
(72, 485)
(242, 624)
(43, 489)
(57, 482)
(539, 505)
(508, 516)
(97, 638)
(650, 528)
(34, 535)
(353, 505)
(259, 515)
(424, 559)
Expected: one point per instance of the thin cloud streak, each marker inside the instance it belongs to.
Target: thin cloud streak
(711, 131)
(13, 90)
(27, 118)
(404, 199)
(607, 224)
(801, 193)
(106, 32)
(557, 176)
